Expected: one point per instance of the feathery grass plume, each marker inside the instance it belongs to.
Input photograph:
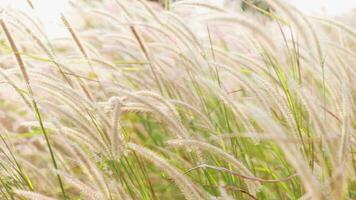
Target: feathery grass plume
(253, 187)
(92, 173)
(32, 195)
(86, 191)
(194, 4)
(189, 189)
(9, 154)
(147, 56)
(34, 104)
(116, 137)
(205, 166)
(48, 49)
(81, 49)
(311, 183)
(167, 117)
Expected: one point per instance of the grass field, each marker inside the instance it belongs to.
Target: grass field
(177, 101)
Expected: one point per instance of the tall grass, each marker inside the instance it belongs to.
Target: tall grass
(183, 101)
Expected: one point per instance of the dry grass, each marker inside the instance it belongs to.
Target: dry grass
(140, 101)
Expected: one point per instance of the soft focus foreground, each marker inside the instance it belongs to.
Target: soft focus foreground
(181, 101)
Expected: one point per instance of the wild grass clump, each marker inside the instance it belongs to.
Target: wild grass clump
(185, 101)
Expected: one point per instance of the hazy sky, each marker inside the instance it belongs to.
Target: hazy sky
(49, 10)
(331, 7)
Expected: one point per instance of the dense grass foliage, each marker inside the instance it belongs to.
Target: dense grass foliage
(183, 101)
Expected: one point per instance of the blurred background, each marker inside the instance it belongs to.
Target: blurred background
(49, 10)
(329, 7)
